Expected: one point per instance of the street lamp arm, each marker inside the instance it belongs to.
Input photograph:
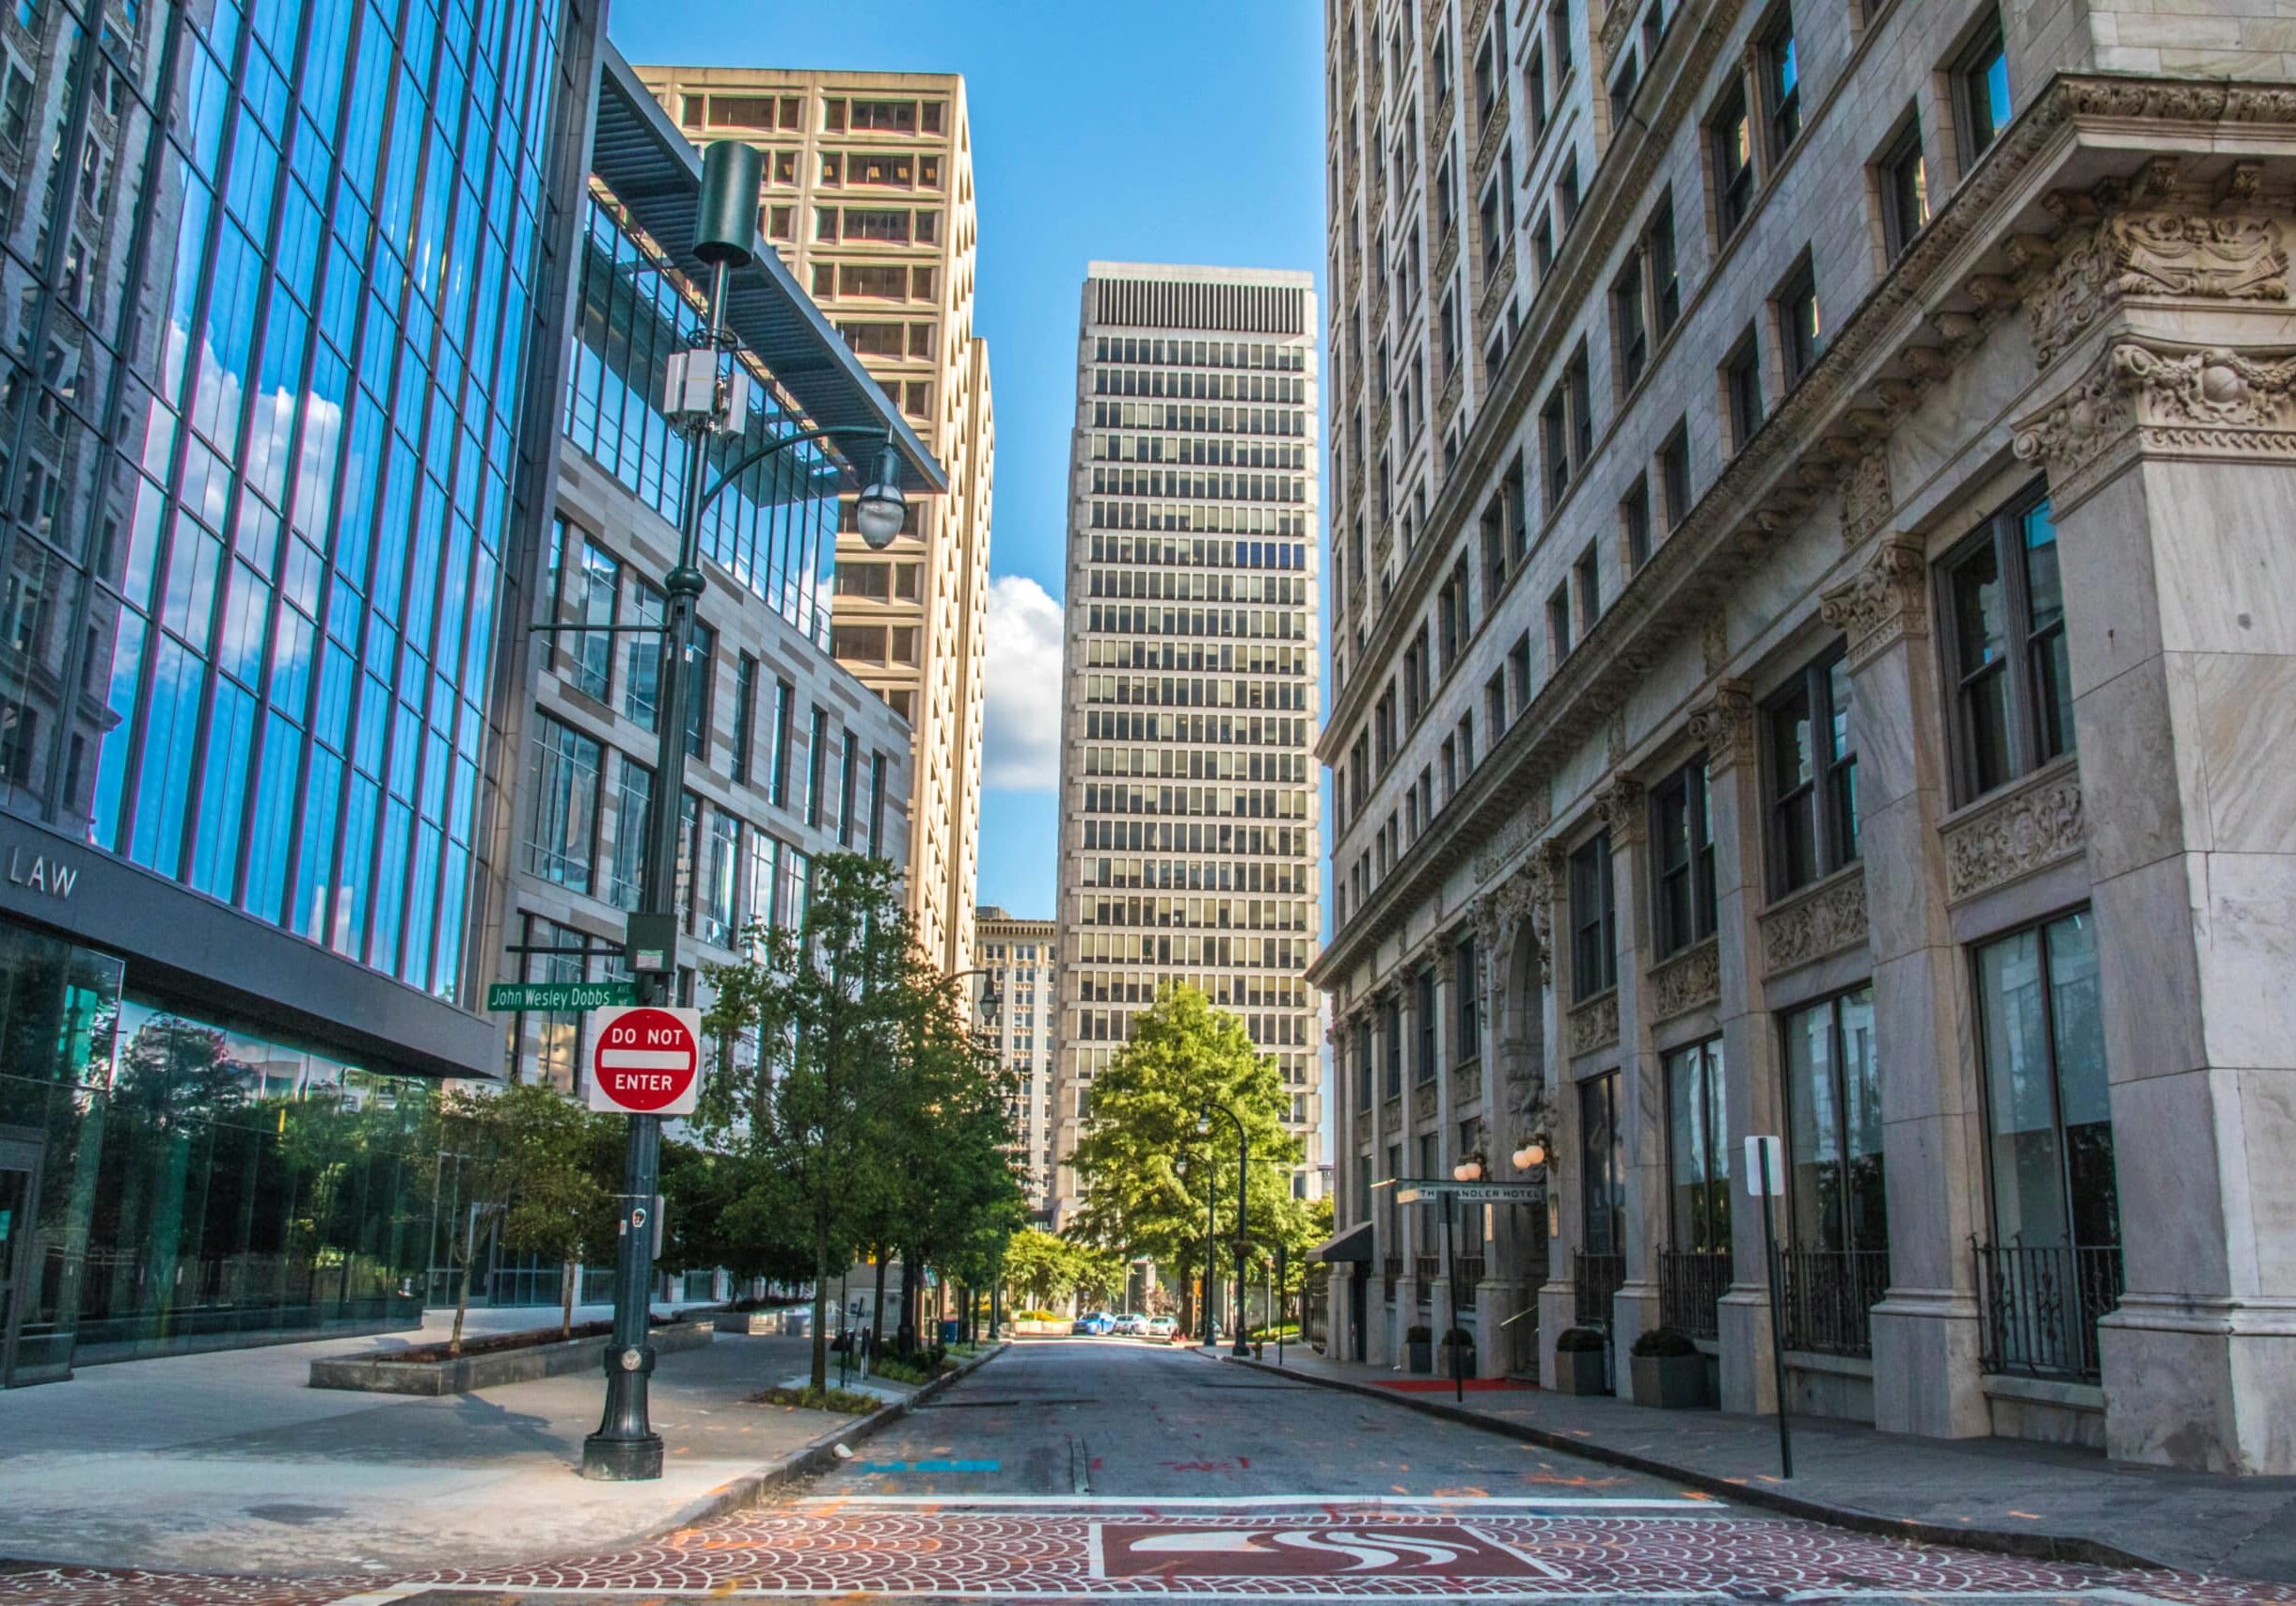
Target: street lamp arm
(753, 457)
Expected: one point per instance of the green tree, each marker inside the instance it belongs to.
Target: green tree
(1148, 1163)
(825, 1005)
(1040, 1268)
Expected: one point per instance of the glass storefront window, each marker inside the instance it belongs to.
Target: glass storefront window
(1833, 1090)
(2048, 1102)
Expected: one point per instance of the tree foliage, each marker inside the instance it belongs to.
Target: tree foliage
(1157, 1152)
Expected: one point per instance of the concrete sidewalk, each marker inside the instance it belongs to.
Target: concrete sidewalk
(227, 1461)
(2034, 1500)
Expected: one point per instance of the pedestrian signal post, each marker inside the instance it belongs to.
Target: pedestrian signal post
(1765, 1177)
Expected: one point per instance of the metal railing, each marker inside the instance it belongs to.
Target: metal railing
(1426, 1268)
(1593, 1280)
(1470, 1271)
(1390, 1269)
(1826, 1298)
(1690, 1286)
(2037, 1308)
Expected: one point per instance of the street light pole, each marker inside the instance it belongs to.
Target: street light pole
(1243, 1172)
(702, 401)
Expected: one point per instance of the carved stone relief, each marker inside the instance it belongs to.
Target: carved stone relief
(1865, 496)
(2213, 256)
(2173, 401)
(1725, 726)
(1823, 921)
(2029, 830)
(1884, 602)
(1687, 981)
(1620, 808)
(1594, 1024)
(1423, 1101)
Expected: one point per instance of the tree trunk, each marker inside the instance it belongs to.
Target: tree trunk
(565, 1301)
(462, 1291)
(820, 1367)
(909, 1304)
(877, 1309)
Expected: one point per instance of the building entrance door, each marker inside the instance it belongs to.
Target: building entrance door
(19, 1198)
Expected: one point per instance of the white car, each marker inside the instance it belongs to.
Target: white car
(1132, 1324)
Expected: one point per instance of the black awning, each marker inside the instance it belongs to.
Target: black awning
(1353, 1247)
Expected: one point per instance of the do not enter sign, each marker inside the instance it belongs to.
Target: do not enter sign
(647, 1061)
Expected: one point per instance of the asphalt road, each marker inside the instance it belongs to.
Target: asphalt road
(1113, 1470)
(1108, 1469)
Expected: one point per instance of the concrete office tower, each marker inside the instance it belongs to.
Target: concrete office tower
(1188, 829)
(1017, 955)
(1811, 656)
(868, 197)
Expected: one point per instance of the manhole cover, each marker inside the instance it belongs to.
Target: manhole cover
(289, 1512)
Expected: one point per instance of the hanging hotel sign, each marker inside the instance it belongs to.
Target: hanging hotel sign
(1467, 1193)
(560, 994)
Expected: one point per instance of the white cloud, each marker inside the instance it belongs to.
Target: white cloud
(1021, 737)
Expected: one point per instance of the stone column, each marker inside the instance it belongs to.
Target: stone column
(1378, 1347)
(2173, 469)
(1749, 1044)
(1347, 1176)
(1557, 1294)
(1925, 1339)
(1499, 1296)
(1624, 810)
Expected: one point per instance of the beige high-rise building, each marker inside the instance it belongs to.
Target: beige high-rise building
(1188, 831)
(868, 197)
(1017, 955)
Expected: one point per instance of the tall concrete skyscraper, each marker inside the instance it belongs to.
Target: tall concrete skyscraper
(1188, 802)
(868, 197)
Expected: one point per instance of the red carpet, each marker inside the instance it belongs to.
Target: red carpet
(1443, 1385)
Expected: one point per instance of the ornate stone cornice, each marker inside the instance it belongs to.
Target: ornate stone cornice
(1616, 18)
(1687, 981)
(1594, 1025)
(2185, 252)
(1514, 835)
(1865, 496)
(2037, 825)
(1725, 726)
(1885, 602)
(1821, 920)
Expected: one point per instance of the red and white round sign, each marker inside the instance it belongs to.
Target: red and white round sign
(646, 1061)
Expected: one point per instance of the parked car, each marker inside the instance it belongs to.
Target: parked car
(1164, 1327)
(1094, 1324)
(1132, 1324)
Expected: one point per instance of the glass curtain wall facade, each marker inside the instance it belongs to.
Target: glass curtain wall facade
(1189, 832)
(267, 278)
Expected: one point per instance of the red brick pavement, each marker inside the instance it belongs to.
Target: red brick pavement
(1336, 1552)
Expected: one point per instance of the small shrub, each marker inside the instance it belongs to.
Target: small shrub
(1417, 1334)
(850, 1402)
(1458, 1338)
(894, 1370)
(1035, 1316)
(1665, 1343)
(1579, 1341)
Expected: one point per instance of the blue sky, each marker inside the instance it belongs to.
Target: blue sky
(1179, 131)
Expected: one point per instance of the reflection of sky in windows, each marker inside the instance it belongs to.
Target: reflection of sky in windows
(775, 530)
(274, 585)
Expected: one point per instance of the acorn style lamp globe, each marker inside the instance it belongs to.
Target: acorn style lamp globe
(1531, 1155)
(881, 509)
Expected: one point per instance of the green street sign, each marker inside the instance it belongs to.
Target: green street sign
(560, 994)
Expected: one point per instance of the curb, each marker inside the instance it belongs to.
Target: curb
(2013, 1542)
(815, 1454)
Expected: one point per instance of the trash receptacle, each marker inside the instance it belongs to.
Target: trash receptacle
(948, 1331)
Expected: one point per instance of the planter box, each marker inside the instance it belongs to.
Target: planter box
(1672, 1382)
(790, 1321)
(1040, 1329)
(1466, 1362)
(376, 1373)
(1582, 1371)
(1422, 1357)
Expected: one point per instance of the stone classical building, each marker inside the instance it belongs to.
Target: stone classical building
(1188, 818)
(1813, 653)
(868, 197)
(1016, 955)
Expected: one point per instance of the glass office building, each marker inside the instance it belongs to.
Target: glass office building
(272, 296)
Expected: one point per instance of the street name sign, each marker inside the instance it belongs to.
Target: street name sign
(647, 1061)
(560, 994)
(1468, 1193)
